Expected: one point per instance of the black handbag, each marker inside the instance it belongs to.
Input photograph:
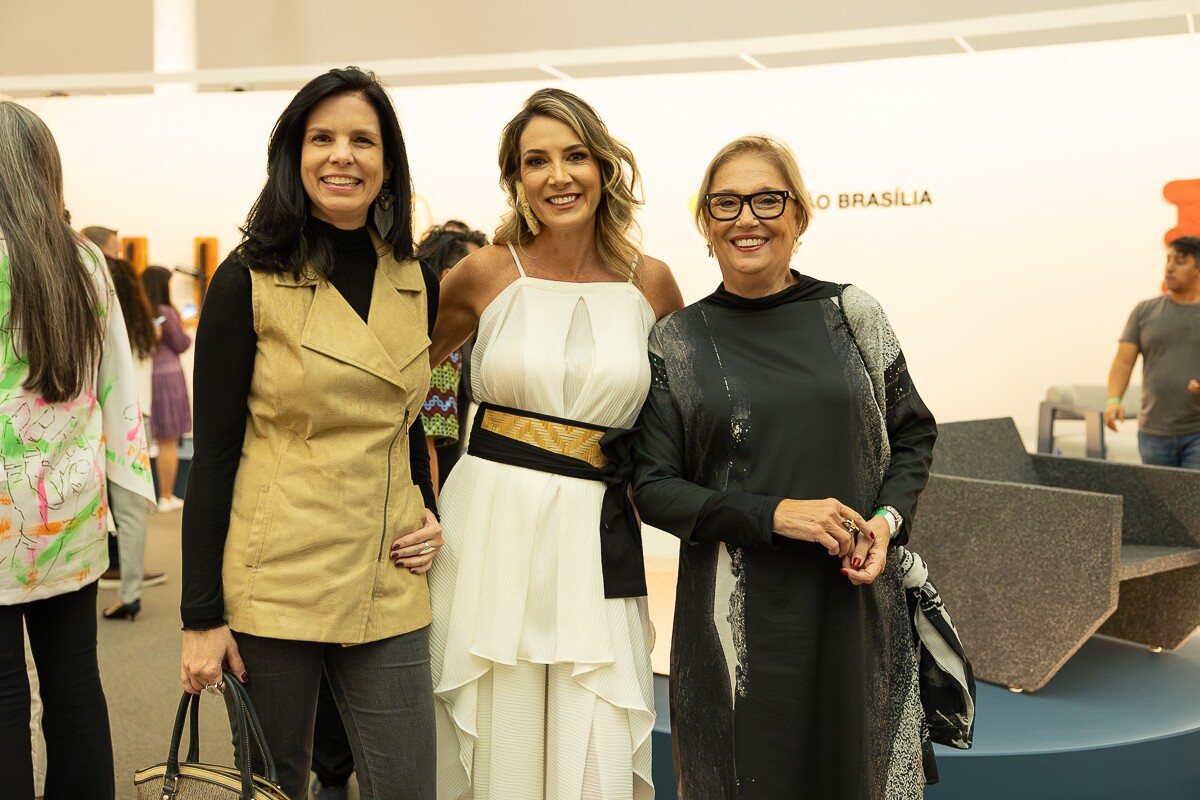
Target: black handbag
(192, 779)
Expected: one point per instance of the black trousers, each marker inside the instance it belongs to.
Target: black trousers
(332, 759)
(79, 755)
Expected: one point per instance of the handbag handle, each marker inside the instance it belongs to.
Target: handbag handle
(245, 725)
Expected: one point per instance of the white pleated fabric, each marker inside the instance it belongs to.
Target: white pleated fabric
(544, 685)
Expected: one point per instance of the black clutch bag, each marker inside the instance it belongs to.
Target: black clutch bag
(192, 779)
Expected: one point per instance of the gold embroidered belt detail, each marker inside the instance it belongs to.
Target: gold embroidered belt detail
(573, 441)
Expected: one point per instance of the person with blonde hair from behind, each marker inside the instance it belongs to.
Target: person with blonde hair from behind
(69, 417)
(540, 639)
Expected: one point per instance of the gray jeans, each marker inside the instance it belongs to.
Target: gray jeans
(384, 691)
(129, 513)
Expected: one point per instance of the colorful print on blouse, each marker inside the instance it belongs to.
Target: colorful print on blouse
(439, 415)
(56, 458)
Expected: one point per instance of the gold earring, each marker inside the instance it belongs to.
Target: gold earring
(796, 246)
(710, 250)
(531, 219)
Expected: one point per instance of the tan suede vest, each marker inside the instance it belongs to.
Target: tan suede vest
(323, 487)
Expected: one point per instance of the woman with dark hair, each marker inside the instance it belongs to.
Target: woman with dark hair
(309, 524)
(170, 410)
(66, 387)
(541, 644)
(129, 510)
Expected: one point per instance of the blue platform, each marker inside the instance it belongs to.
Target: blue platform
(1116, 723)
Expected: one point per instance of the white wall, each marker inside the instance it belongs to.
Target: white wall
(1045, 166)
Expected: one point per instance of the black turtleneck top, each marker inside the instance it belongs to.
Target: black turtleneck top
(225, 347)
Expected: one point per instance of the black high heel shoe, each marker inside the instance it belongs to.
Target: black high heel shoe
(123, 610)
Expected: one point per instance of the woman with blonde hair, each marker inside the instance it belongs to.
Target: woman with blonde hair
(785, 444)
(69, 418)
(540, 644)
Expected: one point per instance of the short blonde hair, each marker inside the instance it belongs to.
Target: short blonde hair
(616, 230)
(771, 150)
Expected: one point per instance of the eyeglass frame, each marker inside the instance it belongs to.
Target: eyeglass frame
(746, 199)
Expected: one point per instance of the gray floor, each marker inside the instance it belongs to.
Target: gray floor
(139, 664)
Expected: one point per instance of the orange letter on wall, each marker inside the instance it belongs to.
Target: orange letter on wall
(1185, 195)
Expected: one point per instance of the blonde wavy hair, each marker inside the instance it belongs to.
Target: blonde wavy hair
(617, 233)
(773, 152)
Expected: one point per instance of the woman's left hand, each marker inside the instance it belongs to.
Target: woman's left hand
(869, 557)
(416, 550)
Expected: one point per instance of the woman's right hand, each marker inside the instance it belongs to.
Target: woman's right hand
(820, 521)
(205, 654)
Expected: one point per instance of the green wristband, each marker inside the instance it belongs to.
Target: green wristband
(1115, 400)
(881, 512)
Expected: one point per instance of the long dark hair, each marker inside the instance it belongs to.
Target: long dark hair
(277, 236)
(139, 322)
(54, 317)
(156, 281)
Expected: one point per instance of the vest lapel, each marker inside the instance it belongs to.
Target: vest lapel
(333, 329)
(398, 311)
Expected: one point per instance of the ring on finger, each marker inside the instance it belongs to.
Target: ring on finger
(215, 688)
(851, 526)
(427, 549)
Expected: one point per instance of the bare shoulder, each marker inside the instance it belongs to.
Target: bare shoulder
(659, 286)
(478, 278)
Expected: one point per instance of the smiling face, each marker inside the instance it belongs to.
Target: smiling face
(561, 176)
(754, 254)
(342, 164)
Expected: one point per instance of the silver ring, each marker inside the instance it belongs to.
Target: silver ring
(215, 688)
(851, 526)
(428, 549)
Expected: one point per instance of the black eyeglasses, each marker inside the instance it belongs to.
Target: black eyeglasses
(725, 206)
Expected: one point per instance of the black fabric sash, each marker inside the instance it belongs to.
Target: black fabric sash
(620, 530)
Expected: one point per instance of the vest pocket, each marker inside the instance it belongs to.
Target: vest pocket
(263, 512)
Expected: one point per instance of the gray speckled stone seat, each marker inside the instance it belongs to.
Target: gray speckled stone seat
(1035, 553)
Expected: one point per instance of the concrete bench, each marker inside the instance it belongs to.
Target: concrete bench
(1035, 553)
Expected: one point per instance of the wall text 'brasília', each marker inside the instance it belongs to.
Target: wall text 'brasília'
(893, 199)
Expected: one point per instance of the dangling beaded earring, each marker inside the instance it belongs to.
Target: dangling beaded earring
(531, 219)
(385, 212)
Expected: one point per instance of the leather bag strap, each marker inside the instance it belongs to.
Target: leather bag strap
(245, 726)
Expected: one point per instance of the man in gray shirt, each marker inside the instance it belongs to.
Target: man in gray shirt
(1166, 332)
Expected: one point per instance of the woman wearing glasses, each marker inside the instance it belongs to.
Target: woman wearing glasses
(784, 442)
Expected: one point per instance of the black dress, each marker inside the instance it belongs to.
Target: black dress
(787, 681)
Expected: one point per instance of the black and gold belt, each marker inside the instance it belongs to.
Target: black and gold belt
(576, 450)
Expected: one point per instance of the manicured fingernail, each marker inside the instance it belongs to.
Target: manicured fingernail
(872, 536)
(847, 574)
(855, 563)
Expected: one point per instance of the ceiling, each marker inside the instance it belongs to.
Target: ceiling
(88, 47)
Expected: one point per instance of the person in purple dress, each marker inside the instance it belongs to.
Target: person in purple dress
(171, 411)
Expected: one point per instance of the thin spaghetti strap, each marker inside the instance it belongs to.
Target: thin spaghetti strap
(513, 250)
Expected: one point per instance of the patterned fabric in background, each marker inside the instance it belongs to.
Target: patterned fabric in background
(439, 415)
(55, 458)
